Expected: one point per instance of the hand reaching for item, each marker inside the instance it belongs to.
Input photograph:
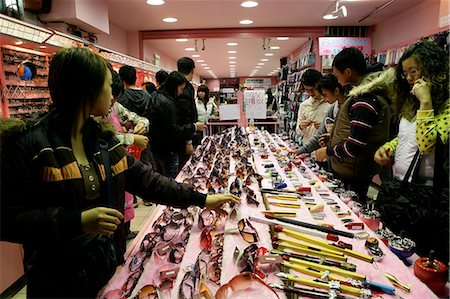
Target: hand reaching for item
(324, 139)
(215, 201)
(321, 154)
(304, 124)
(382, 156)
(100, 220)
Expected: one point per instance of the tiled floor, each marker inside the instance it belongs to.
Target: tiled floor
(142, 212)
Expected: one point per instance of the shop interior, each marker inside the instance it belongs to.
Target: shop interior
(241, 49)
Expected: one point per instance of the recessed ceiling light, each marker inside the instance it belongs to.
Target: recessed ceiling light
(181, 40)
(264, 59)
(232, 44)
(19, 42)
(195, 55)
(268, 54)
(204, 64)
(170, 20)
(200, 60)
(282, 38)
(190, 49)
(232, 57)
(329, 17)
(261, 63)
(245, 22)
(232, 52)
(249, 4)
(155, 2)
(275, 48)
(231, 62)
(206, 67)
(257, 67)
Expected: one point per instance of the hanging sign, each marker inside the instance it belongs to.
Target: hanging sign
(334, 45)
(255, 104)
(257, 82)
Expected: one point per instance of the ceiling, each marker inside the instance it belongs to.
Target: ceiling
(214, 14)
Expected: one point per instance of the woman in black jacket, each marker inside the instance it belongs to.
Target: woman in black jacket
(58, 197)
(167, 131)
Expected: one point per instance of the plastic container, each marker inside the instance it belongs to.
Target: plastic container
(433, 273)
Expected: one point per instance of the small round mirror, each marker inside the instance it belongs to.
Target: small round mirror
(26, 71)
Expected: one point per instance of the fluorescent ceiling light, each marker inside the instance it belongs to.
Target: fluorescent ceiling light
(206, 67)
(274, 48)
(264, 59)
(329, 17)
(181, 40)
(249, 4)
(204, 64)
(261, 63)
(200, 60)
(170, 20)
(232, 44)
(195, 55)
(232, 57)
(155, 2)
(268, 54)
(190, 49)
(19, 42)
(257, 67)
(282, 38)
(231, 62)
(232, 52)
(246, 22)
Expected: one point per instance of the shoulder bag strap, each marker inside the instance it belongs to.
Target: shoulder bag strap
(413, 167)
(107, 164)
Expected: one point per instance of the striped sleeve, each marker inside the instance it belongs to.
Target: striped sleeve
(363, 117)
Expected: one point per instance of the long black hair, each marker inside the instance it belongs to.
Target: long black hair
(174, 80)
(205, 89)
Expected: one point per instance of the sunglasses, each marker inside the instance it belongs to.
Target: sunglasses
(247, 231)
(243, 282)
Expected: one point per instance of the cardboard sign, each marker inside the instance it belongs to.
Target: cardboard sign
(229, 111)
(255, 104)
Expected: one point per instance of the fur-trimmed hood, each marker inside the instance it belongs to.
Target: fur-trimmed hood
(381, 83)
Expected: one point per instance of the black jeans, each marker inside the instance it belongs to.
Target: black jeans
(167, 164)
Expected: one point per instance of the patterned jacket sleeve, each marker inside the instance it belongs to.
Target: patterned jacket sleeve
(428, 125)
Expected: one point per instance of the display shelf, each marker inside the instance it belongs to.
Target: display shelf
(25, 99)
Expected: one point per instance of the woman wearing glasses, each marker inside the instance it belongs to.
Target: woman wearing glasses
(422, 98)
(59, 197)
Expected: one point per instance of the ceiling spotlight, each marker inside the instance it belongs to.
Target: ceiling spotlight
(246, 22)
(232, 44)
(181, 40)
(189, 49)
(203, 44)
(264, 43)
(282, 38)
(249, 4)
(155, 2)
(170, 20)
(200, 60)
(264, 59)
(195, 55)
(274, 48)
(268, 54)
(339, 12)
(232, 52)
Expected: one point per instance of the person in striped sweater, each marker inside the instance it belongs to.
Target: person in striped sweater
(362, 124)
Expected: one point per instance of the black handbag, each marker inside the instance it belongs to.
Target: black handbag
(417, 211)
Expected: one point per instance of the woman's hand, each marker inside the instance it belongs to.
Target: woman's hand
(422, 91)
(100, 220)
(304, 124)
(215, 201)
(382, 156)
(139, 129)
(140, 141)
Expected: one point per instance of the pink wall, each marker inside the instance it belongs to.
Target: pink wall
(116, 40)
(133, 43)
(418, 21)
(94, 13)
(213, 84)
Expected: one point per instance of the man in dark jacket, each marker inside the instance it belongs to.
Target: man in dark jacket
(137, 100)
(186, 109)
